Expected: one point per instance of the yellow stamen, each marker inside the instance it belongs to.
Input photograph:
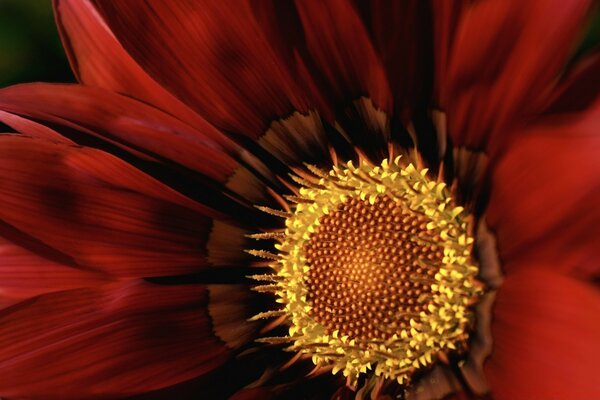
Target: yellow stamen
(374, 270)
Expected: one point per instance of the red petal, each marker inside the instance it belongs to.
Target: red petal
(99, 210)
(546, 332)
(116, 340)
(24, 274)
(130, 124)
(343, 54)
(505, 60)
(401, 31)
(544, 199)
(31, 128)
(98, 59)
(212, 56)
(446, 16)
(580, 89)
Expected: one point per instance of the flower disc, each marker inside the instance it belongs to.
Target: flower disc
(374, 270)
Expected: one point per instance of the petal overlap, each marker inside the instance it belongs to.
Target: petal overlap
(106, 342)
(98, 210)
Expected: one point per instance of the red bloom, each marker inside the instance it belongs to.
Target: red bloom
(127, 199)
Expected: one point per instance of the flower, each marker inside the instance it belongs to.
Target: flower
(137, 203)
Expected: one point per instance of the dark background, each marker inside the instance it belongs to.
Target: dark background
(30, 49)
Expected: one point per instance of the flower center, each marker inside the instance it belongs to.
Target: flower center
(374, 270)
(371, 267)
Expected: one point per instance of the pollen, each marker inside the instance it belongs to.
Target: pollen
(371, 267)
(373, 270)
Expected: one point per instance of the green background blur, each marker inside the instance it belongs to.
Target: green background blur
(30, 49)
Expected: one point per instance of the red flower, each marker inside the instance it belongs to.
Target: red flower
(127, 201)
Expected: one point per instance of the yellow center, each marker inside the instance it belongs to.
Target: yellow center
(374, 270)
(371, 267)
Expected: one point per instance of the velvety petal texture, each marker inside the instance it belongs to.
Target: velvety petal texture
(545, 191)
(98, 211)
(545, 331)
(504, 63)
(32, 128)
(446, 17)
(106, 342)
(127, 200)
(402, 36)
(344, 56)
(226, 68)
(132, 125)
(25, 273)
(98, 59)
